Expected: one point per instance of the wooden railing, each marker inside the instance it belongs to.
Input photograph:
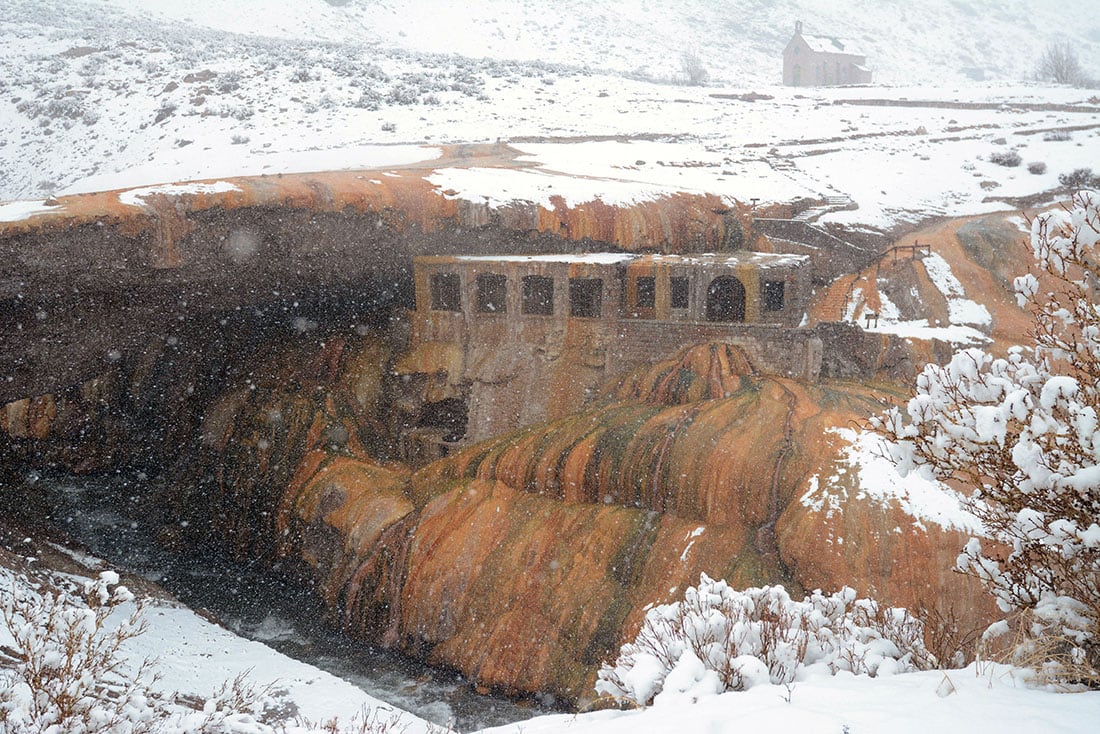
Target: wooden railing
(913, 250)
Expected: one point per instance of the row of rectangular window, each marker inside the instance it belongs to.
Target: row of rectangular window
(645, 292)
(585, 294)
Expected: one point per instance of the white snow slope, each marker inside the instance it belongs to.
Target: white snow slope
(981, 698)
(194, 657)
(104, 94)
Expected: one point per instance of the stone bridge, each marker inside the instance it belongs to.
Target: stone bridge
(92, 277)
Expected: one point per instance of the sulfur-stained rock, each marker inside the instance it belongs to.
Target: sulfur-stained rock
(29, 418)
(525, 593)
(526, 560)
(334, 516)
(836, 534)
(716, 371)
(522, 537)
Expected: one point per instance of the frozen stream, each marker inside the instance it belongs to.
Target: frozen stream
(104, 513)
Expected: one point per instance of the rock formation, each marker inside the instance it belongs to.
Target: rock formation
(524, 560)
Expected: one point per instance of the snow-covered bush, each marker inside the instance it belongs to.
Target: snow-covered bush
(229, 81)
(369, 99)
(1079, 178)
(237, 706)
(1058, 63)
(70, 674)
(693, 68)
(718, 639)
(1022, 431)
(1007, 158)
(403, 94)
(66, 673)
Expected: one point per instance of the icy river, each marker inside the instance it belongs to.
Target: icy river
(105, 515)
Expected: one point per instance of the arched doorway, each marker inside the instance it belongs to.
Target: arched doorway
(447, 416)
(726, 299)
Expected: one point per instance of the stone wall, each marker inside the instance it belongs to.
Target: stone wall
(772, 350)
(523, 371)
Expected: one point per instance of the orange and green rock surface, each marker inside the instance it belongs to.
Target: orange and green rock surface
(526, 560)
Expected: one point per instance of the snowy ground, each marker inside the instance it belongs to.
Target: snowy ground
(124, 94)
(194, 657)
(736, 40)
(983, 697)
(99, 95)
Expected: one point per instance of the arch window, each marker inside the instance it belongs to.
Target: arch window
(726, 300)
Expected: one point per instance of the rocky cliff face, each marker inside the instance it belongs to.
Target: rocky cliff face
(526, 560)
(135, 262)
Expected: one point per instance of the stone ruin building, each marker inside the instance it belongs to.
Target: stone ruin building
(500, 342)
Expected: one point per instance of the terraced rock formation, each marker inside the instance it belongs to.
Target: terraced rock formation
(524, 561)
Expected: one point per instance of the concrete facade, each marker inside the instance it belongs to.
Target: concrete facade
(771, 288)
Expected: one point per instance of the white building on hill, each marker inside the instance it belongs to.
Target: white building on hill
(819, 61)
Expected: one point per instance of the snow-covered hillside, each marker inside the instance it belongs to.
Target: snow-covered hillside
(103, 94)
(739, 41)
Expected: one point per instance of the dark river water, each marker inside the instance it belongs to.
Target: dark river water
(105, 515)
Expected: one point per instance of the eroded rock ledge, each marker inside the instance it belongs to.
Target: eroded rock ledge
(524, 561)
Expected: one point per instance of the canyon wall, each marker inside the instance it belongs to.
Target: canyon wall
(274, 406)
(526, 560)
(93, 276)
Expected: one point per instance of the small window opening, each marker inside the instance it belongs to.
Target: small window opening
(773, 295)
(680, 294)
(492, 292)
(584, 297)
(538, 295)
(645, 292)
(446, 292)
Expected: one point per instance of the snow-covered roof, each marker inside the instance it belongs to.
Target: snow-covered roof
(827, 45)
(587, 258)
(759, 259)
